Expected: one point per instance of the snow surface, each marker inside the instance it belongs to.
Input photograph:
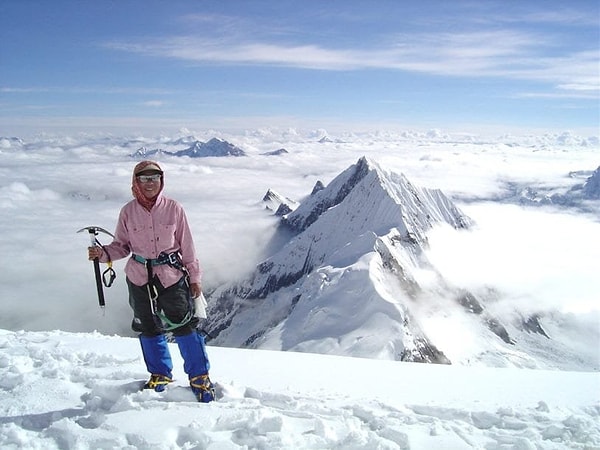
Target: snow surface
(81, 391)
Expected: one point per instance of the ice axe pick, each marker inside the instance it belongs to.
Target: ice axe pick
(93, 232)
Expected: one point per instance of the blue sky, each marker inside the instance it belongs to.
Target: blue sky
(463, 65)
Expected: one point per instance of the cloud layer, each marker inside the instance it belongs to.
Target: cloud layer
(51, 187)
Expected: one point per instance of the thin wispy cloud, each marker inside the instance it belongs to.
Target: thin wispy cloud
(85, 90)
(153, 103)
(564, 16)
(570, 93)
(21, 90)
(494, 53)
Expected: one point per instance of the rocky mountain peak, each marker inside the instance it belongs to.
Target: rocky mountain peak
(365, 213)
(214, 147)
(591, 187)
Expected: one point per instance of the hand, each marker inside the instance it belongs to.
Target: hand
(195, 290)
(94, 252)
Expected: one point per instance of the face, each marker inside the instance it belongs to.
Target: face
(149, 184)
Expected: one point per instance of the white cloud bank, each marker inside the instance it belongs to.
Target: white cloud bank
(543, 260)
(53, 186)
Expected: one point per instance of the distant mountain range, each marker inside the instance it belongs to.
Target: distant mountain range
(215, 147)
(575, 197)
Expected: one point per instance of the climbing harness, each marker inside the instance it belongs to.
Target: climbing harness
(174, 260)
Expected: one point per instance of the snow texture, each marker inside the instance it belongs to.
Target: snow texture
(82, 391)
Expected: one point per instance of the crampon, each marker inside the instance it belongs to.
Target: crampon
(203, 388)
(157, 382)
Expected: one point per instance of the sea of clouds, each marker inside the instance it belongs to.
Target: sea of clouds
(51, 186)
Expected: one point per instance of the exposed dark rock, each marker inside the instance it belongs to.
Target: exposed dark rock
(532, 324)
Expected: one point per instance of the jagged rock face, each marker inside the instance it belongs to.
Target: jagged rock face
(365, 230)
(321, 201)
(362, 200)
(384, 199)
(591, 188)
(317, 187)
(278, 203)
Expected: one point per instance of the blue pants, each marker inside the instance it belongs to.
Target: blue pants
(174, 302)
(158, 358)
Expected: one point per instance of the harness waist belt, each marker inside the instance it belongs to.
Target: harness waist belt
(171, 259)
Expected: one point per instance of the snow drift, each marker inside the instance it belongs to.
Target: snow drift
(81, 391)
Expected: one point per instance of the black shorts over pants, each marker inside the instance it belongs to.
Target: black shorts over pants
(174, 302)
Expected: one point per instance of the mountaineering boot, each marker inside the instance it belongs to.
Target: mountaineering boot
(157, 382)
(158, 362)
(196, 365)
(203, 388)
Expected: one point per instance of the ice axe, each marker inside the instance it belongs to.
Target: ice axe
(93, 231)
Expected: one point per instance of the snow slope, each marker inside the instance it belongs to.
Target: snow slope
(81, 391)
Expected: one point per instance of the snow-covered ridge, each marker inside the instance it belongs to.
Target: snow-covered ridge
(382, 201)
(362, 201)
(591, 187)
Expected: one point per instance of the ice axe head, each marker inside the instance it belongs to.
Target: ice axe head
(93, 231)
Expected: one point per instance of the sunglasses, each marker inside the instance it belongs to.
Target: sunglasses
(149, 178)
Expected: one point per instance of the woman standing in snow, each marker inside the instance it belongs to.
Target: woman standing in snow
(163, 278)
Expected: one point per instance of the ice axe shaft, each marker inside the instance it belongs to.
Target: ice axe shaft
(93, 232)
(99, 287)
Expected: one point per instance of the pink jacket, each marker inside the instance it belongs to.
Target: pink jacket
(147, 234)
